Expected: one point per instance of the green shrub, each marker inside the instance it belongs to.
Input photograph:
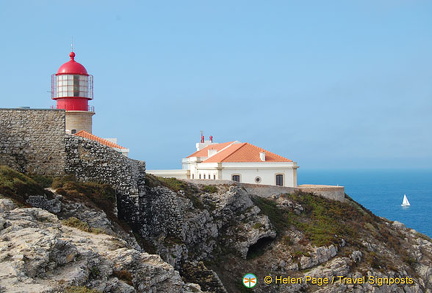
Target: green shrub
(210, 189)
(94, 272)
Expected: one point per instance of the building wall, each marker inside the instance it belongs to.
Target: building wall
(267, 176)
(33, 140)
(248, 172)
(210, 171)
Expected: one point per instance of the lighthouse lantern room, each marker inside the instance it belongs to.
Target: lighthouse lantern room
(72, 88)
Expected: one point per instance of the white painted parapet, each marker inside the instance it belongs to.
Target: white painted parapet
(179, 174)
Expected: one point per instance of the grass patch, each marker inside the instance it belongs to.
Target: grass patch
(152, 181)
(277, 216)
(188, 190)
(83, 226)
(19, 186)
(210, 189)
(173, 184)
(43, 181)
(325, 221)
(257, 225)
(80, 289)
(101, 195)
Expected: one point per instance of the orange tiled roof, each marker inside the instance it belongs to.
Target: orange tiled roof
(244, 152)
(204, 151)
(103, 141)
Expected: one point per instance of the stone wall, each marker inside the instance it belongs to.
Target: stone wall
(268, 190)
(32, 140)
(327, 191)
(88, 160)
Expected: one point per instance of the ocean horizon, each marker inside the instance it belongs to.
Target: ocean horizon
(381, 191)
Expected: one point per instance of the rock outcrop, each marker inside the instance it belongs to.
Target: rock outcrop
(40, 254)
(190, 224)
(192, 238)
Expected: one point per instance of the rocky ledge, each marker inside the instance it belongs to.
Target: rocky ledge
(176, 236)
(40, 254)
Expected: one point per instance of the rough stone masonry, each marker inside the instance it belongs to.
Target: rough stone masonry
(34, 141)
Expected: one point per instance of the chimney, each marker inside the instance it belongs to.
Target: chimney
(211, 152)
(262, 156)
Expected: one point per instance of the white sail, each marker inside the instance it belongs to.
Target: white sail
(405, 201)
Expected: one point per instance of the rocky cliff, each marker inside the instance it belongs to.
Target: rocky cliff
(174, 236)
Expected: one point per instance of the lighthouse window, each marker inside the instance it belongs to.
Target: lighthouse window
(69, 85)
(76, 87)
(83, 86)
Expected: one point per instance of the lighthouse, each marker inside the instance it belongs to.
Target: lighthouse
(72, 89)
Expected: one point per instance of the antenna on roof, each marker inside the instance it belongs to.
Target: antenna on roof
(202, 136)
(72, 45)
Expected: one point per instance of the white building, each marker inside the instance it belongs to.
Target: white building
(241, 162)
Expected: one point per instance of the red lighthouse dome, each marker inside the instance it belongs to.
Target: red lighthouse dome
(72, 86)
(72, 89)
(72, 67)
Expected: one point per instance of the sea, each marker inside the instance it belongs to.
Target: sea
(381, 191)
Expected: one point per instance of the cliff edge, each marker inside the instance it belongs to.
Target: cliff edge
(63, 235)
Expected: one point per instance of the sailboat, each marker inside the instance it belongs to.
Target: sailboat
(405, 202)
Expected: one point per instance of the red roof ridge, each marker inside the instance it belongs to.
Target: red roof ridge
(218, 146)
(88, 135)
(241, 145)
(244, 152)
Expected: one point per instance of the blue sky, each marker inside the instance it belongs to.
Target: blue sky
(328, 84)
